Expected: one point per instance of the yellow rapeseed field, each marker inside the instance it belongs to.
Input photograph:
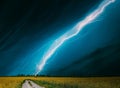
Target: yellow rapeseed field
(63, 82)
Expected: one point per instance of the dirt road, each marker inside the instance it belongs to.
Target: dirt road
(30, 84)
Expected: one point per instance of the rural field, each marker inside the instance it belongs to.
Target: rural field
(62, 82)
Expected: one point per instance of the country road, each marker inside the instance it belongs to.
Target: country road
(30, 84)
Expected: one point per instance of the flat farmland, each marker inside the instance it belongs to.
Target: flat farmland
(62, 82)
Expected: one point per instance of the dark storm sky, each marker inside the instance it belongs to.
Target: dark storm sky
(27, 26)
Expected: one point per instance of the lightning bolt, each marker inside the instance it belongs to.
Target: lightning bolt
(71, 33)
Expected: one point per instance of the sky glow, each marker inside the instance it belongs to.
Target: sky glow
(71, 33)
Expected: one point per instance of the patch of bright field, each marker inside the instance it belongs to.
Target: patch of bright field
(62, 82)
